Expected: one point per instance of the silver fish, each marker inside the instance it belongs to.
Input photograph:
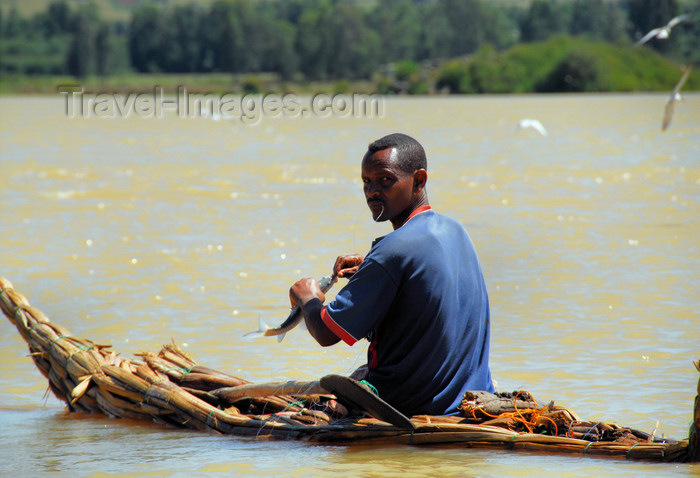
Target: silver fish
(294, 318)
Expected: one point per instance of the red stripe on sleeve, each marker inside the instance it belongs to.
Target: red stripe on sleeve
(335, 328)
(374, 361)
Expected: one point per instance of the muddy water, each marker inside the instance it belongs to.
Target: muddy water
(134, 230)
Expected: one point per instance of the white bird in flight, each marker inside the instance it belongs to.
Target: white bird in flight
(662, 32)
(532, 123)
(675, 96)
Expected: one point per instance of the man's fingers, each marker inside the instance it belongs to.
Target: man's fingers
(347, 264)
(348, 273)
(304, 290)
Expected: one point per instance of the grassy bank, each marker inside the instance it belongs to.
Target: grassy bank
(563, 64)
(194, 82)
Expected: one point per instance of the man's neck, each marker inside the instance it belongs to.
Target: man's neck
(421, 208)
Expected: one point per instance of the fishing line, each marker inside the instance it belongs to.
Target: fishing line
(360, 353)
(380, 214)
(359, 359)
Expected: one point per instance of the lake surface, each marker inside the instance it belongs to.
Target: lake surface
(137, 229)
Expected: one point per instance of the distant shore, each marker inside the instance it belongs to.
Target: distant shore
(194, 82)
(559, 65)
(563, 65)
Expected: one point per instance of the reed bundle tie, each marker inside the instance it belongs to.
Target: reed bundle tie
(511, 442)
(206, 422)
(185, 371)
(57, 339)
(299, 403)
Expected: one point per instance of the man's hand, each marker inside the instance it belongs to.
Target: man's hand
(304, 293)
(304, 290)
(347, 265)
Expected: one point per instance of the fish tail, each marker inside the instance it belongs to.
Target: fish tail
(262, 328)
(280, 337)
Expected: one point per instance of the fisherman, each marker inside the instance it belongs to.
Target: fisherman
(418, 296)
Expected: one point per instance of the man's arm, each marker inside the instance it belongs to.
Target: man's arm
(317, 329)
(308, 296)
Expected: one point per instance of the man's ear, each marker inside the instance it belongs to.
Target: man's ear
(420, 177)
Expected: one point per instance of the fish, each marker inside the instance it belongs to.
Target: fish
(293, 319)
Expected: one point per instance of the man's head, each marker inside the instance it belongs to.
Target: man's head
(394, 176)
(411, 154)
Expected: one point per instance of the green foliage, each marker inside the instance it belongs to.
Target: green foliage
(435, 35)
(404, 69)
(561, 64)
(398, 26)
(404, 77)
(578, 71)
(20, 56)
(466, 29)
(82, 53)
(453, 77)
(343, 86)
(687, 41)
(544, 19)
(501, 25)
(58, 19)
(183, 51)
(524, 64)
(251, 85)
(353, 43)
(489, 72)
(331, 40)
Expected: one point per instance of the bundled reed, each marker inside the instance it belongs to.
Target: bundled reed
(171, 388)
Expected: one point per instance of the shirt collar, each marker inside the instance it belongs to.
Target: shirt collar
(417, 211)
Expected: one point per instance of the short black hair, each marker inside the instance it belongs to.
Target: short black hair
(411, 155)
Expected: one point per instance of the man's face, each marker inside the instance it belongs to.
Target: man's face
(388, 189)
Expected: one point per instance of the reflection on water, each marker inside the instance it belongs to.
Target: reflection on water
(133, 231)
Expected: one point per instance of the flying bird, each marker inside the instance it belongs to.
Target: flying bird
(532, 123)
(675, 96)
(662, 32)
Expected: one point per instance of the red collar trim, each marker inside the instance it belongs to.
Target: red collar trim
(417, 211)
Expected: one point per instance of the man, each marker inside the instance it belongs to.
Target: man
(419, 296)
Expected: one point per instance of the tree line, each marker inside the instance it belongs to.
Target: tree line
(314, 39)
